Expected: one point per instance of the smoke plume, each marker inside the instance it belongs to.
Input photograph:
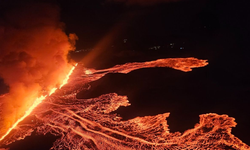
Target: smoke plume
(144, 2)
(33, 57)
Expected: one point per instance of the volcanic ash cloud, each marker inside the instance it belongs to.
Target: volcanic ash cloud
(33, 57)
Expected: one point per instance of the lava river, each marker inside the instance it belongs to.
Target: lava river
(90, 123)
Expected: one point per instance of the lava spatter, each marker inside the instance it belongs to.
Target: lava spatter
(90, 123)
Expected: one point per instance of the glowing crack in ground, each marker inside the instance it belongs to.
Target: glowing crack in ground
(89, 123)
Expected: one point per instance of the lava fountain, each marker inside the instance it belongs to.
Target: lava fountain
(34, 59)
(35, 104)
(90, 123)
(43, 87)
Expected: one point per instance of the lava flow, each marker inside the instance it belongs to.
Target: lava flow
(90, 123)
(35, 104)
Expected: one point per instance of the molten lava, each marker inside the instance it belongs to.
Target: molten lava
(90, 123)
(65, 81)
(35, 104)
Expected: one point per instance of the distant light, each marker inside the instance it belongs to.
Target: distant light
(181, 47)
(125, 40)
(155, 47)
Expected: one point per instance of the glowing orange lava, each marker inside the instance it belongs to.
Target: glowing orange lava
(65, 81)
(88, 72)
(36, 103)
(91, 123)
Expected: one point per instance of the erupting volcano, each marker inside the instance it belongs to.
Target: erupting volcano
(35, 104)
(132, 53)
(90, 123)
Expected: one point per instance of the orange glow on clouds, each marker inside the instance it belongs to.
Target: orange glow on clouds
(34, 58)
(36, 103)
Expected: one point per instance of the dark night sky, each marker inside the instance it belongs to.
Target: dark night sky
(217, 30)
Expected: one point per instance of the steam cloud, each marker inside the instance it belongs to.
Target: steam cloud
(144, 2)
(33, 57)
